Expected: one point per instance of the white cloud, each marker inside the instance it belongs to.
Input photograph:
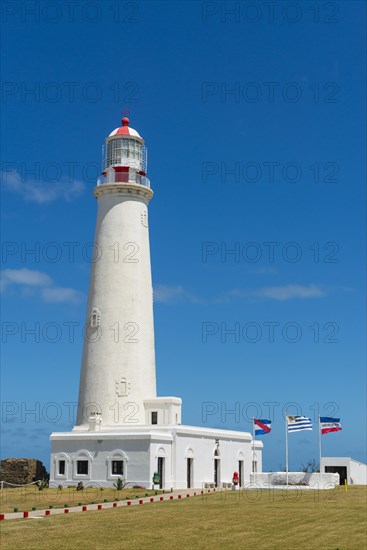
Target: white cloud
(59, 295)
(25, 277)
(42, 192)
(29, 281)
(288, 292)
(166, 294)
(285, 292)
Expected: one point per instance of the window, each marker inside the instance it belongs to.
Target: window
(254, 466)
(82, 467)
(61, 467)
(120, 149)
(95, 318)
(154, 417)
(117, 467)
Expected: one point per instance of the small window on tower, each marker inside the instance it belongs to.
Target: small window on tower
(144, 218)
(154, 417)
(61, 467)
(95, 318)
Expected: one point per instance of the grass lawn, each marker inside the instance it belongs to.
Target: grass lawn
(24, 498)
(308, 520)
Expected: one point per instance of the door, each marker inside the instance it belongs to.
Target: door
(161, 471)
(240, 472)
(341, 470)
(216, 471)
(189, 472)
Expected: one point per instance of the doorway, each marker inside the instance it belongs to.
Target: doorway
(240, 472)
(189, 464)
(161, 471)
(216, 471)
(341, 470)
(217, 466)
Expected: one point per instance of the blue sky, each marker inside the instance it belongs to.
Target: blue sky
(254, 123)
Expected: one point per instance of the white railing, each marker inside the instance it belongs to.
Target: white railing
(124, 177)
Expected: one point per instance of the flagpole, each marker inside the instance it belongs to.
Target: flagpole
(286, 448)
(320, 452)
(253, 449)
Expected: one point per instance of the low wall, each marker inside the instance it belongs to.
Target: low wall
(313, 481)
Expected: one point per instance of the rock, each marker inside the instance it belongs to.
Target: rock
(22, 470)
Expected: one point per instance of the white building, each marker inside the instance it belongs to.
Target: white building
(123, 429)
(348, 469)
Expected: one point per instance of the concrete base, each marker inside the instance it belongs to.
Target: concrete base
(295, 479)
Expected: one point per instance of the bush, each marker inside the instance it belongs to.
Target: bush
(119, 484)
(42, 484)
(80, 486)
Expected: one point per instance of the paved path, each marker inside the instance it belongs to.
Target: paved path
(40, 514)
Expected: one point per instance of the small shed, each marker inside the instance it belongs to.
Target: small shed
(353, 471)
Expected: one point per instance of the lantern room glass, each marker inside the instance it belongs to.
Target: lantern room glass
(123, 150)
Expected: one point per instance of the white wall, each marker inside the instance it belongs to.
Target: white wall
(313, 480)
(202, 449)
(134, 452)
(140, 450)
(118, 363)
(356, 471)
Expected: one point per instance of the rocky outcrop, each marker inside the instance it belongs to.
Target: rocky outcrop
(22, 470)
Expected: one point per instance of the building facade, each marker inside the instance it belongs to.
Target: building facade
(349, 470)
(123, 429)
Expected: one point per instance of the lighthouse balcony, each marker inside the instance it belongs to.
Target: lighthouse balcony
(124, 177)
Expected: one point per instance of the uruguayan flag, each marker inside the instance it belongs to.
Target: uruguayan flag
(298, 423)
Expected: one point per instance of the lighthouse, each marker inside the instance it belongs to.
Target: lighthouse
(118, 364)
(123, 429)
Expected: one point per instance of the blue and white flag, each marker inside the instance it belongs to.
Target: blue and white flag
(298, 423)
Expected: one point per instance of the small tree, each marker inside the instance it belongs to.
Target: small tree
(119, 484)
(310, 467)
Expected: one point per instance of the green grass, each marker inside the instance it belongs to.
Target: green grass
(24, 498)
(308, 520)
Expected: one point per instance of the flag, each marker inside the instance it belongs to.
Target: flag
(298, 423)
(263, 426)
(329, 424)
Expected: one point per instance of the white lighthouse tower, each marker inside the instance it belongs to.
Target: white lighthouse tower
(123, 429)
(118, 365)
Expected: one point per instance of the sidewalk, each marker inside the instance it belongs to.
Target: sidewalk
(177, 494)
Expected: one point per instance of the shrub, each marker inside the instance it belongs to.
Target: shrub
(80, 486)
(42, 484)
(119, 483)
